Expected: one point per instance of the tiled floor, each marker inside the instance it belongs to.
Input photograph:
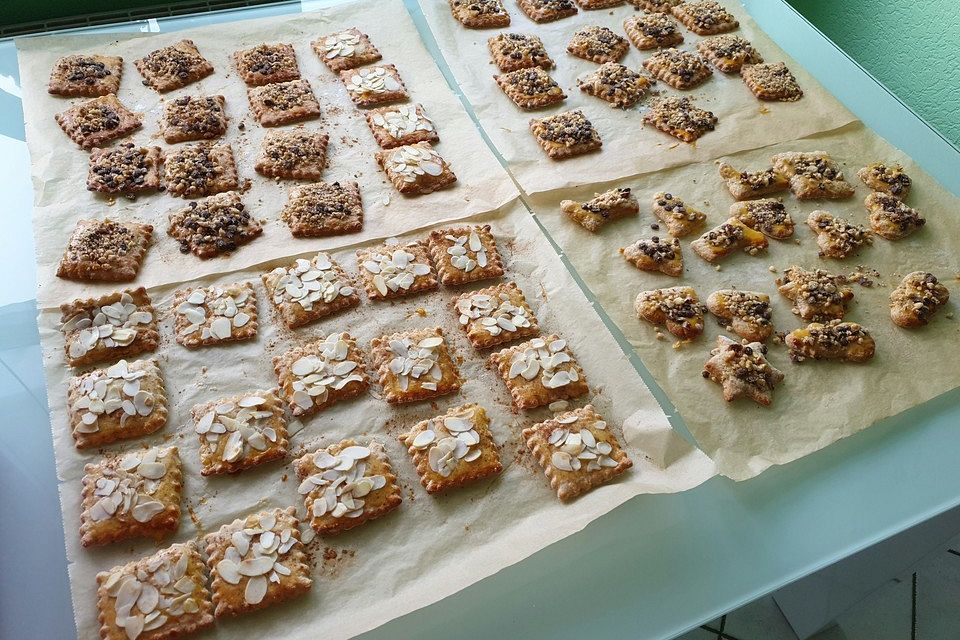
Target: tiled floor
(922, 606)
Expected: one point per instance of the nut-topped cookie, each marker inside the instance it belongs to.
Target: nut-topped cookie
(816, 294)
(591, 5)
(374, 85)
(604, 207)
(679, 69)
(771, 81)
(836, 237)
(98, 121)
(680, 118)
(728, 238)
(346, 49)
(890, 218)
(742, 371)
(299, 154)
(213, 226)
(886, 178)
(392, 271)
(652, 31)
(833, 340)
(416, 169)
(539, 372)
(598, 44)
(323, 209)
(126, 168)
(266, 64)
(746, 313)
(114, 326)
(465, 254)
(677, 308)
(173, 67)
(240, 432)
(346, 485)
(202, 169)
(512, 51)
(530, 88)
(577, 451)
(704, 17)
(728, 53)
(495, 315)
(105, 251)
(480, 14)
(191, 118)
(257, 561)
(680, 218)
(564, 135)
(916, 299)
(655, 6)
(415, 365)
(283, 102)
(132, 495)
(86, 76)
(813, 175)
(747, 185)
(547, 10)
(321, 373)
(401, 124)
(122, 401)
(163, 595)
(769, 216)
(662, 255)
(453, 450)
(215, 315)
(308, 290)
(615, 83)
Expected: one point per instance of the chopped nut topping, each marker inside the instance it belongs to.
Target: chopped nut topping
(597, 43)
(200, 169)
(837, 237)
(125, 168)
(196, 117)
(320, 206)
(916, 299)
(218, 224)
(616, 84)
(706, 16)
(569, 128)
(531, 82)
(817, 294)
(881, 177)
(680, 118)
(284, 96)
(518, 50)
(890, 217)
(267, 60)
(288, 150)
(676, 62)
(103, 242)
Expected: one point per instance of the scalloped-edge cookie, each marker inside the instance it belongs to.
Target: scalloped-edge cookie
(495, 315)
(480, 14)
(86, 76)
(465, 254)
(512, 51)
(728, 53)
(266, 64)
(540, 371)
(415, 365)
(704, 17)
(771, 81)
(240, 432)
(308, 290)
(346, 49)
(323, 209)
(320, 373)
(213, 226)
(118, 325)
(198, 170)
(215, 315)
(652, 31)
(299, 154)
(547, 10)
(393, 271)
(173, 66)
(375, 85)
(598, 44)
(416, 169)
(530, 88)
(125, 168)
(281, 103)
(616, 84)
(97, 121)
(679, 69)
(105, 251)
(565, 135)
(191, 118)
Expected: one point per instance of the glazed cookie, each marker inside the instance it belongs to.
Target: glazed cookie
(598, 44)
(728, 53)
(401, 125)
(267, 64)
(677, 308)
(530, 88)
(240, 432)
(105, 251)
(564, 135)
(283, 102)
(415, 365)
(213, 226)
(416, 169)
(513, 51)
(480, 14)
(890, 218)
(886, 178)
(747, 185)
(125, 168)
(215, 315)
(742, 371)
(86, 76)
(680, 118)
(768, 216)
(198, 170)
(813, 175)
(704, 17)
(173, 67)
(97, 121)
(321, 373)
(374, 85)
(680, 219)
(652, 31)
(324, 209)
(605, 207)
(465, 254)
(816, 295)
(836, 237)
(345, 50)
(835, 340)
(916, 299)
(679, 69)
(114, 326)
(539, 372)
(746, 313)
(393, 271)
(547, 10)
(655, 254)
(615, 83)
(308, 290)
(299, 154)
(495, 315)
(194, 118)
(729, 237)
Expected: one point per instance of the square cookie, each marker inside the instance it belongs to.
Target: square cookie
(598, 44)
(615, 83)
(480, 14)
(679, 69)
(257, 561)
(177, 603)
(132, 495)
(97, 121)
(213, 226)
(117, 325)
(465, 254)
(309, 290)
(400, 125)
(240, 432)
(293, 155)
(125, 400)
(126, 168)
(415, 365)
(416, 169)
(321, 373)
(512, 51)
(813, 175)
(374, 85)
(345, 50)
(728, 53)
(283, 102)
(86, 76)
(197, 170)
(495, 315)
(652, 31)
(564, 135)
(173, 67)
(540, 371)
(591, 5)
(194, 118)
(266, 64)
(453, 450)
(547, 10)
(530, 88)
(105, 251)
(604, 207)
(746, 185)
(324, 209)
(392, 271)
(577, 451)
(680, 117)
(705, 17)
(215, 315)
(658, 6)
(771, 81)
(345, 485)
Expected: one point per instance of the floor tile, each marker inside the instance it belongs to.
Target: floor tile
(697, 634)
(938, 598)
(884, 615)
(759, 620)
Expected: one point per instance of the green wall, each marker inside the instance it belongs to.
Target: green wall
(911, 46)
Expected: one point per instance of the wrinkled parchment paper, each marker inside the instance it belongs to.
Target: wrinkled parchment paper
(629, 147)
(60, 166)
(431, 546)
(818, 402)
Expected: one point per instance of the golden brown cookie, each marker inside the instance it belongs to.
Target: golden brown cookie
(530, 88)
(771, 81)
(768, 216)
(615, 83)
(890, 218)
(495, 315)
(704, 17)
(605, 207)
(679, 69)
(213, 226)
(591, 5)
(480, 14)
(374, 85)
(598, 44)
(465, 254)
(834, 340)
(680, 219)
(677, 308)
(308, 290)
(655, 254)
(85, 76)
(742, 371)
(747, 185)
(565, 135)
(836, 237)
(324, 209)
(321, 373)
(114, 326)
(97, 121)
(657, 6)
(652, 31)
(728, 53)
(540, 371)
(215, 315)
(816, 295)
(916, 299)
(400, 125)
(547, 10)
(727, 238)
(886, 178)
(345, 50)
(392, 271)
(105, 251)
(512, 51)
(240, 432)
(416, 169)
(813, 175)
(415, 365)
(266, 64)
(299, 154)
(746, 313)
(197, 170)
(194, 118)
(173, 67)
(125, 168)
(680, 118)
(283, 102)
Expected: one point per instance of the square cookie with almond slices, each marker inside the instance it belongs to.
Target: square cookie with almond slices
(465, 254)
(539, 372)
(416, 169)
(114, 326)
(495, 315)
(308, 290)
(415, 365)
(346, 49)
(393, 271)
(240, 432)
(321, 373)
(401, 124)
(215, 315)
(369, 86)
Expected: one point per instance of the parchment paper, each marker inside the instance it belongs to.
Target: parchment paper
(432, 546)
(818, 402)
(629, 148)
(59, 166)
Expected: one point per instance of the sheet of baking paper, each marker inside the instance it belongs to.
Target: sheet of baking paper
(629, 147)
(818, 402)
(432, 546)
(59, 166)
